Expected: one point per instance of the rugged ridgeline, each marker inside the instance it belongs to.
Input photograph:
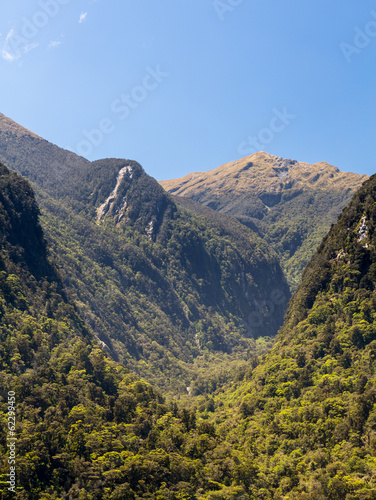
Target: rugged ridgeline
(292, 205)
(307, 417)
(160, 285)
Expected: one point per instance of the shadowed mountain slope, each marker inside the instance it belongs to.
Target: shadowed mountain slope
(85, 427)
(35, 158)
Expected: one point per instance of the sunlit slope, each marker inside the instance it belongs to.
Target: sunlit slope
(291, 204)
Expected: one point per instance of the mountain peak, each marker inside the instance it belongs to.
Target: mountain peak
(269, 173)
(292, 204)
(262, 155)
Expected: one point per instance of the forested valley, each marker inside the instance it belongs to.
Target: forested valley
(145, 338)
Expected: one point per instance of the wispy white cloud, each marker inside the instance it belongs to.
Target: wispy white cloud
(7, 52)
(54, 43)
(30, 46)
(82, 17)
(14, 46)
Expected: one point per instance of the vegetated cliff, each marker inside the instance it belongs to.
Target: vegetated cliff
(159, 284)
(291, 204)
(307, 414)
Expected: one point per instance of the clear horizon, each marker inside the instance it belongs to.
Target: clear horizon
(189, 87)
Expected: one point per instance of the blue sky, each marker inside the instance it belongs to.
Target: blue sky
(187, 85)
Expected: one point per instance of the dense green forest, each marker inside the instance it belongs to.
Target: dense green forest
(86, 427)
(297, 423)
(306, 416)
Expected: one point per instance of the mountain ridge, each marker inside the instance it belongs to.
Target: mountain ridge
(290, 204)
(23, 151)
(280, 167)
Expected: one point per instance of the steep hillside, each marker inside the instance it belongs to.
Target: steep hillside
(159, 285)
(307, 415)
(61, 381)
(292, 205)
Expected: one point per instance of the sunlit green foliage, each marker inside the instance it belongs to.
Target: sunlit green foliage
(306, 418)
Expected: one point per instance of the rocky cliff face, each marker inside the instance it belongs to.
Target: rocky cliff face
(136, 199)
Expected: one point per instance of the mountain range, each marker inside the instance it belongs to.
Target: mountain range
(288, 203)
(104, 274)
